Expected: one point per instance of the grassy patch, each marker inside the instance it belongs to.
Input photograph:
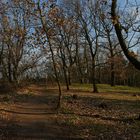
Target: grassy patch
(106, 88)
(125, 89)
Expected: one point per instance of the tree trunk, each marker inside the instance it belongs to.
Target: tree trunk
(69, 77)
(9, 70)
(57, 78)
(118, 29)
(64, 68)
(112, 82)
(95, 89)
(66, 78)
(45, 28)
(112, 74)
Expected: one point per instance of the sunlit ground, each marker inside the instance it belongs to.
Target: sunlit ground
(113, 113)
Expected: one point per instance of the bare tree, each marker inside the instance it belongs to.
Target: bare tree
(15, 28)
(89, 21)
(48, 31)
(119, 31)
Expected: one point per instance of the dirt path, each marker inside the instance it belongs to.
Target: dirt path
(31, 115)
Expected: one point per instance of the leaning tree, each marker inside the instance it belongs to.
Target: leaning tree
(119, 32)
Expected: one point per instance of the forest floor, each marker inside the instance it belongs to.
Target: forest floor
(111, 114)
